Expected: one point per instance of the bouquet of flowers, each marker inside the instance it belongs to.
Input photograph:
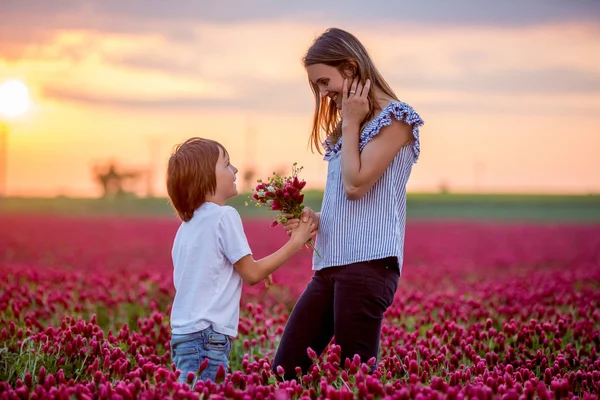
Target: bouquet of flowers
(283, 194)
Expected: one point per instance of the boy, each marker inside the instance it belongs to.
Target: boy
(211, 256)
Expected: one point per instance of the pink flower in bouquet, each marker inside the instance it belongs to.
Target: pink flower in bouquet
(276, 205)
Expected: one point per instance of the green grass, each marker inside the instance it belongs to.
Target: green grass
(509, 207)
(584, 208)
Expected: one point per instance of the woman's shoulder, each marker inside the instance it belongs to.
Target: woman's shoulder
(397, 110)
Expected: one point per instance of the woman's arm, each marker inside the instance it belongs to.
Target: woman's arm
(360, 170)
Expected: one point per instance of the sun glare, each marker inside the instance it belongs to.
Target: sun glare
(14, 98)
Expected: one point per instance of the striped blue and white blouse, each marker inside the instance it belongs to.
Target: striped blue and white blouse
(373, 226)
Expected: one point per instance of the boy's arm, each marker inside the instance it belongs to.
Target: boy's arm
(253, 271)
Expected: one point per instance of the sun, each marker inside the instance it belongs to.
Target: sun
(14, 98)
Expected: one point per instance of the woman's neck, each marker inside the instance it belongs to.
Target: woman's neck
(382, 100)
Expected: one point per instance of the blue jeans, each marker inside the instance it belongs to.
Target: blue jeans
(190, 350)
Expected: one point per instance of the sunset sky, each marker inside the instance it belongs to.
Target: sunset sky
(509, 90)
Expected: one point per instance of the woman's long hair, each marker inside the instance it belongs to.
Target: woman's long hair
(342, 50)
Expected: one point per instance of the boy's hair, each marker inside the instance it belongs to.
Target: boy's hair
(191, 174)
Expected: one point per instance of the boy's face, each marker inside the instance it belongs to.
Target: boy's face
(225, 174)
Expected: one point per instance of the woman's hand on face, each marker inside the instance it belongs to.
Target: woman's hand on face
(293, 223)
(355, 103)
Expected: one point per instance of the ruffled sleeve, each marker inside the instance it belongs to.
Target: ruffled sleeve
(331, 150)
(401, 112)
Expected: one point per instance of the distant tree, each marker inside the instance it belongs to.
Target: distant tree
(115, 181)
(249, 178)
(444, 187)
(283, 170)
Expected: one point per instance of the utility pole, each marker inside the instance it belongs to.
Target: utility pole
(3, 159)
(249, 156)
(250, 140)
(478, 173)
(153, 143)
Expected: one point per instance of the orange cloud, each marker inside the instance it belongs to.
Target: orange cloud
(512, 100)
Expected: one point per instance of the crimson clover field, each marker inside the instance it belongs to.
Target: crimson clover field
(483, 310)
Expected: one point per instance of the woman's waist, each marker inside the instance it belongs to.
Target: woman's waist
(358, 235)
(379, 199)
(373, 218)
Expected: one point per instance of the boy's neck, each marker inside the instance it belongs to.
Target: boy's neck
(215, 199)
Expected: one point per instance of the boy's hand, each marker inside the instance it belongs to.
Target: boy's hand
(293, 223)
(304, 232)
(269, 281)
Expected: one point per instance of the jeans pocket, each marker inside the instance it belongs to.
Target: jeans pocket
(185, 351)
(217, 341)
(391, 285)
(380, 286)
(392, 279)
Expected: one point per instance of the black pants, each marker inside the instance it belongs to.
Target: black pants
(347, 302)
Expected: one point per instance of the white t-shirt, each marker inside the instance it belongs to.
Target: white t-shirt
(207, 286)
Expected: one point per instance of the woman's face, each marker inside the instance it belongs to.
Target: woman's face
(329, 80)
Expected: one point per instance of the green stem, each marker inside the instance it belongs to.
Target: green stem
(312, 245)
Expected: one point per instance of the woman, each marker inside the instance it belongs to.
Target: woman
(362, 222)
